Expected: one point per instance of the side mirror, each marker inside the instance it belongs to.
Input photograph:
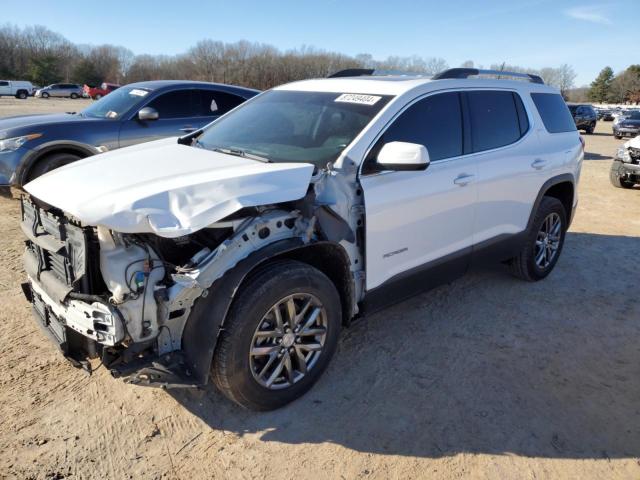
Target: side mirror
(148, 114)
(403, 156)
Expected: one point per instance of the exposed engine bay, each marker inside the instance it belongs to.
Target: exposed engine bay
(126, 297)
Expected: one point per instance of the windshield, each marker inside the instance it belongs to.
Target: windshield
(116, 103)
(283, 126)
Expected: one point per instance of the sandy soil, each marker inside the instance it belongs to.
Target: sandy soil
(488, 377)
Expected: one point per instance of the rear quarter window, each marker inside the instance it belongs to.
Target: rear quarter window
(554, 112)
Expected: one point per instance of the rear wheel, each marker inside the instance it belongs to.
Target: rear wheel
(74, 95)
(97, 97)
(22, 95)
(544, 242)
(589, 130)
(279, 336)
(50, 162)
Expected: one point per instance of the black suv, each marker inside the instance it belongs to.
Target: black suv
(31, 145)
(584, 115)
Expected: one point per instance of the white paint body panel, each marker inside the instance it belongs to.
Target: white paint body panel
(416, 217)
(166, 188)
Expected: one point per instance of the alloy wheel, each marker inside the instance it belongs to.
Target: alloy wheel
(288, 341)
(548, 241)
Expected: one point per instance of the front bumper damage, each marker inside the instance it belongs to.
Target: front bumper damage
(61, 286)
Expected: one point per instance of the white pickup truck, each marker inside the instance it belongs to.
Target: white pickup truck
(16, 88)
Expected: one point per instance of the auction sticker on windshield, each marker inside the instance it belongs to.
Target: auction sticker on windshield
(138, 92)
(357, 98)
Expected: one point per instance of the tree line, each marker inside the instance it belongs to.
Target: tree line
(611, 88)
(42, 56)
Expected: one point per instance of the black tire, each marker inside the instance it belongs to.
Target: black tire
(589, 130)
(22, 94)
(524, 265)
(74, 96)
(50, 162)
(618, 137)
(97, 97)
(616, 180)
(44, 95)
(231, 370)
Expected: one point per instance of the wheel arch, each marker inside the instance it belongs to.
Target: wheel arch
(206, 321)
(44, 150)
(561, 187)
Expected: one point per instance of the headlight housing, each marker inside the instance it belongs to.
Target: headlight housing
(12, 144)
(623, 155)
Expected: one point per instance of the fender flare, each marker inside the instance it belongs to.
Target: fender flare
(38, 152)
(203, 326)
(565, 177)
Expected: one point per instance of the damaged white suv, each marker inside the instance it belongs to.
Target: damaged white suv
(239, 250)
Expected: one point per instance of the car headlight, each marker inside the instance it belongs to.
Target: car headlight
(12, 144)
(623, 155)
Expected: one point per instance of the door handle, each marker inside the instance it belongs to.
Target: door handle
(538, 163)
(188, 129)
(463, 179)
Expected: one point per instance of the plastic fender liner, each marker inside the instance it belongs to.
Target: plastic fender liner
(200, 334)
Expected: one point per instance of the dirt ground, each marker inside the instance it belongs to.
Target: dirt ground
(488, 377)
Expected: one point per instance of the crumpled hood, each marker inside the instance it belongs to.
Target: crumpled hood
(633, 143)
(166, 188)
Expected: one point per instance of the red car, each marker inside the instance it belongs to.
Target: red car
(98, 92)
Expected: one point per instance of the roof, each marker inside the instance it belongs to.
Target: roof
(399, 84)
(157, 84)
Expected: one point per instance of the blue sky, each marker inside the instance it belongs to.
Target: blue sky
(533, 33)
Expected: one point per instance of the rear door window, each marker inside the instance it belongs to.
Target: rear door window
(554, 112)
(211, 103)
(494, 118)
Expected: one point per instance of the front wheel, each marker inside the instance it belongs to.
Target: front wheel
(97, 97)
(616, 180)
(74, 96)
(49, 163)
(279, 336)
(543, 243)
(45, 95)
(589, 130)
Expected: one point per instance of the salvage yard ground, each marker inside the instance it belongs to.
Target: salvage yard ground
(488, 377)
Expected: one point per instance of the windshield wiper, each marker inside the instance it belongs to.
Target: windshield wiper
(238, 152)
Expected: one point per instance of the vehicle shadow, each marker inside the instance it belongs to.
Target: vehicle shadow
(596, 156)
(487, 364)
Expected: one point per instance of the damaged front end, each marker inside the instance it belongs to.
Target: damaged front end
(128, 298)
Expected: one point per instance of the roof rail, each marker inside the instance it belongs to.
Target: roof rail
(360, 72)
(467, 72)
(352, 72)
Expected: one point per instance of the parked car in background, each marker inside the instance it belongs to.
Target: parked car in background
(584, 116)
(627, 125)
(15, 88)
(97, 93)
(31, 145)
(625, 170)
(606, 114)
(70, 90)
(236, 253)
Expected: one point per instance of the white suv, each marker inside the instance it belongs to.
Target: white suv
(241, 249)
